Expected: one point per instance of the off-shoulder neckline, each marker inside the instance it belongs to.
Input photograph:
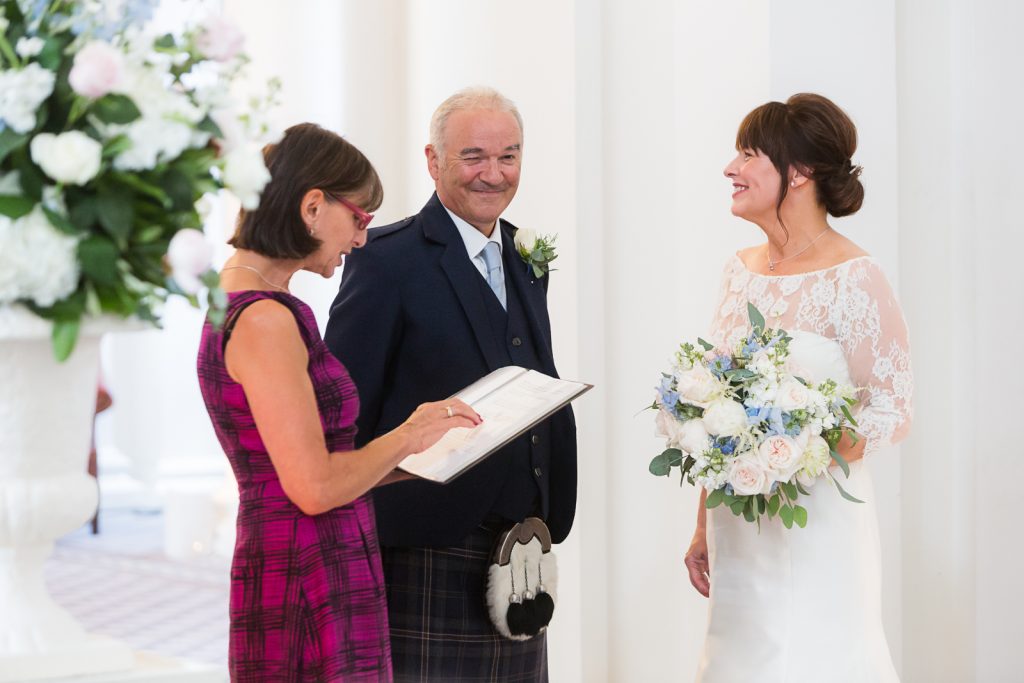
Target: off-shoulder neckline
(847, 262)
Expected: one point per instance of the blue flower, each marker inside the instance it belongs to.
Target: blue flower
(729, 490)
(719, 365)
(727, 446)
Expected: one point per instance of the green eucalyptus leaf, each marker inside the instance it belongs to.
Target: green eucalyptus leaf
(707, 346)
(116, 108)
(64, 336)
(849, 416)
(844, 494)
(659, 466)
(800, 516)
(841, 461)
(165, 42)
(737, 506)
(773, 504)
(15, 206)
(786, 515)
(756, 319)
(790, 490)
(715, 498)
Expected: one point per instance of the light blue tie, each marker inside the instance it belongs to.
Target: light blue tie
(495, 278)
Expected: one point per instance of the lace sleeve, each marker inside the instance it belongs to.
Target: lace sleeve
(874, 337)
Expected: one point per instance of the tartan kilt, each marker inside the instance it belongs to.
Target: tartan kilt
(437, 611)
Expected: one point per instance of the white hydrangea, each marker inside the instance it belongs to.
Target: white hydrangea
(245, 174)
(37, 261)
(21, 93)
(167, 125)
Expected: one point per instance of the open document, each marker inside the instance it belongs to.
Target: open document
(511, 400)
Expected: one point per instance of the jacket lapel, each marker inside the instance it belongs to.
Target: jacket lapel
(464, 277)
(531, 295)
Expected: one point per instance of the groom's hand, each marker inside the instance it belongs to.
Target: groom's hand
(697, 563)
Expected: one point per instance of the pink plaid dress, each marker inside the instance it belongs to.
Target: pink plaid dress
(307, 593)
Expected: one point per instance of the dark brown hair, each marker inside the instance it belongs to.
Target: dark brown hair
(811, 134)
(307, 157)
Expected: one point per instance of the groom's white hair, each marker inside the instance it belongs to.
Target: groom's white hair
(476, 97)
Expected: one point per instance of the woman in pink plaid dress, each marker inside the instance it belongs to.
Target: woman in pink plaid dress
(307, 593)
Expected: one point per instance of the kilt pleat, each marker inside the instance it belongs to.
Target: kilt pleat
(440, 628)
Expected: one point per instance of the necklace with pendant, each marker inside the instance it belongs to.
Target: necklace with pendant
(258, 274)
(772, 264)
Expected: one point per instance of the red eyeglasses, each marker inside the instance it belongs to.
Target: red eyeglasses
(362, 217)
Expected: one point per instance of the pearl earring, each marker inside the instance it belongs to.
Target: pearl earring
(792, 183)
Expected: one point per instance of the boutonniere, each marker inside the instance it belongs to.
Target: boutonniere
(538, 251)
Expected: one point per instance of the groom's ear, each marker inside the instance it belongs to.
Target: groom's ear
(433, 161)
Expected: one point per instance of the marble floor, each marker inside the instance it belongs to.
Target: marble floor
(120, 583)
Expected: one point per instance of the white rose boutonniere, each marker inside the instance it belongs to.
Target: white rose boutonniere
(538, 251)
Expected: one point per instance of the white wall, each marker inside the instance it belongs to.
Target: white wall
(630, 114)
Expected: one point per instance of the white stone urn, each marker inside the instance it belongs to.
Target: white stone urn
(46, 418)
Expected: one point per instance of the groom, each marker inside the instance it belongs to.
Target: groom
(431, 304)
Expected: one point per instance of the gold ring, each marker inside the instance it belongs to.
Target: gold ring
(448, 409)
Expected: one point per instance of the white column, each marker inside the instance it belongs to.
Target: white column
(938, 501)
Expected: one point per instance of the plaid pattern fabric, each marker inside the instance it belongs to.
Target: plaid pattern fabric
(440, 630)
(307, 593)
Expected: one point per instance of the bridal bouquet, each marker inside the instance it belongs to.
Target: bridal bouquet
(108, 139)
(747, 430)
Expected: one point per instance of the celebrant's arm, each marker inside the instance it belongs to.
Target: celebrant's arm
(267, 356)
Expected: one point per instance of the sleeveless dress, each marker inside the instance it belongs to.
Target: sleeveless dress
(804, 605)
(307, 592)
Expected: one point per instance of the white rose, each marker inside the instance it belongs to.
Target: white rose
(245, 174)
(219, 39)
(725, 417)
(189, 255)
(72, 158)
(748, 477)
(21, 93)
(697, 385)
(791, 395)
(98, 69)
(782, 455)
(525, 240)
(29, 47)
(693, 437)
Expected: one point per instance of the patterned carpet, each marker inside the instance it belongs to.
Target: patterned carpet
(120, 583)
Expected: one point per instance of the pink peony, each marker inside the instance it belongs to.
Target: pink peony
(219, 39)
(98, 69)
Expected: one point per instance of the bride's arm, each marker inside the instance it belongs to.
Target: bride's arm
(697, 556)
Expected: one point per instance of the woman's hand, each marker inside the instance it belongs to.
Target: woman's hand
(697, 562)
(431, 421)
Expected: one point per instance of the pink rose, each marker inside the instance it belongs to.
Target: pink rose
(748, 476)
(98, 69)
(782, 455)
(219, 39)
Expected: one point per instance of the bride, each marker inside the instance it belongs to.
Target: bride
(805, 604)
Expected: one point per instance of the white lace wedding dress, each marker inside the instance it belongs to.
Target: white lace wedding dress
(804, 605)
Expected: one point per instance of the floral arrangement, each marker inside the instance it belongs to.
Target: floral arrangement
(755, 436)
(108, 139)
(538, 251)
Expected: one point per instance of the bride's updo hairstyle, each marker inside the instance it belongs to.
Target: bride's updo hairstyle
(811, 134)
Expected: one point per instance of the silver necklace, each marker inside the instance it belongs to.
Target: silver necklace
(772, 264)
(258, 274)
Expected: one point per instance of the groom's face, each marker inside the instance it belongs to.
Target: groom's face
(477, 172)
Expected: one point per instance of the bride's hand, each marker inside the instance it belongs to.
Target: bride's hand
(697, 562)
